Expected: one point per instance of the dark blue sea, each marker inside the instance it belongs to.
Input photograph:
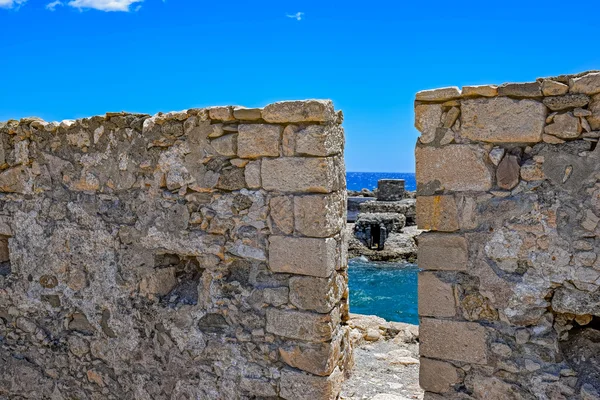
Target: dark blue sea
(368, 180)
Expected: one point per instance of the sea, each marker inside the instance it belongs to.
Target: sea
(388, 290)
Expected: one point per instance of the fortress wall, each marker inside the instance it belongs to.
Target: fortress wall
(509, 188)
(186, 255)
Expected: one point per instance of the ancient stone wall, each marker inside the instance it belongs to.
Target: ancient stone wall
(187, 255)
(509, 189)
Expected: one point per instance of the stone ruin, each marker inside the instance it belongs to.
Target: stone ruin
(187, 255)
(509, 188)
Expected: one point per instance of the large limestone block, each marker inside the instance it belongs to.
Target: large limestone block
(428, 117)
(437, 376)
(503, 120)
(298, 174)
(437, 213)
(316, 358)
(300, 111)
(451, 340)
(258, 140)
(318, 215)
(457, 168)
(302, 256)
(441, 94)
(316, 294)
(586, 84)
(319, 140)
(297, 385)
(443, 252)
(311, 327)
(436, 298)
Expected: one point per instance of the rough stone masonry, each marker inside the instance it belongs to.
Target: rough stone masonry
(509, 188)
(186, 255)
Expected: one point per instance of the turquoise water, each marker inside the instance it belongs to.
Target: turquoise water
(388, 290)
(368, 180)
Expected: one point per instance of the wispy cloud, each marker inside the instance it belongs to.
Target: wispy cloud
(104, 5)
(297, 16)
(11, 3)
(52, 6)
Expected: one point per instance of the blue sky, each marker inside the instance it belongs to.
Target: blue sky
(91, 56)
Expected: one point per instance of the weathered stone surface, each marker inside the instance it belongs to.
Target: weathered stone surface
(316, 358)
(577, 302)
(297, 385)
(302, 325)
(436, 298)
(594, 108)
(553, 88)
(453, 168)
(480, 91)
(456, 341)
(529, 89)
(437, 376)
(502, 120)
(319, 140)
(281, 210)
(586, 84)
(428, 117)
(437, 213)
(221, 113)
(442, 94)
(558, 103)
(258, 140)
(532, 170)
(552, 139)
(565, 126)
(302, 256)
(252, 174)
(316, 294)
(319, 215)
(300, 111)
(247, 114)
(225, 145)
(442, 252)
(297, 174)
(507, 173)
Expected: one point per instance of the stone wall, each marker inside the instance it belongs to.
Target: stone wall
(187, 255)
(509, 189)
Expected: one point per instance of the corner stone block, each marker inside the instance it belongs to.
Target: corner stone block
(503, 120)
(298, 174)
(302, 256)
(451, 340)
(301, 325)
(258, 140)
(443, 252)
(316, 294)
(319, 216)
(457, 168)
(436, 298)
(437, 376)
(319, 140)
(437, 213)
(300, 111)
(297, 385)
(316, 358)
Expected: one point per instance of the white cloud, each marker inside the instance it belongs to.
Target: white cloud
(103, 5)
(297, 16)
(11, 3)
(52, 6)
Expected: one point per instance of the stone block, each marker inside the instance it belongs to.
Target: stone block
(437, 376)
(441, 94)
(507, 173)
(390, 189)
(319, 140)
(529, 89)
(586, 84)
(437, 213)
(300, 111)
(503, 120)
(319, 216)
(258, 140)
(558, 103)
(452, 340)
(317, 294)
(252, 174)
(444, 252)
(316, 358)
(459, 167)
(301, 325)
(302, 256)
(428, 117)
(436, 298)
(553, 88)
(225, 145)
(281, 211)
(221, 113)
(480, 91)
(298, 174)
(247, 114)
(297, 385)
